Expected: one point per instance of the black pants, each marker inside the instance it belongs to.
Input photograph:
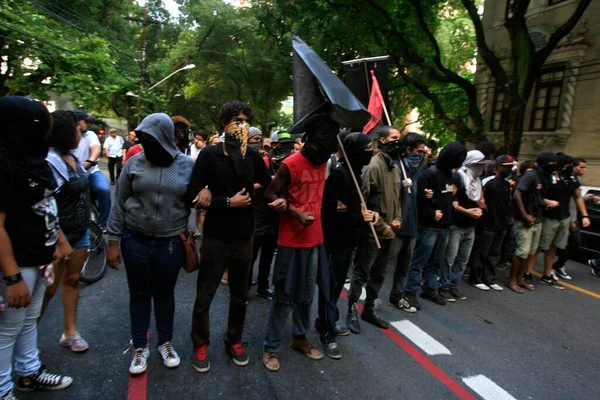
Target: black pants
(216, 256)
(152, 266)
(112, 162)
(401, 253)
(566, 254)
(487, 257)
(266, 243)
(339, 264)
(370, 267)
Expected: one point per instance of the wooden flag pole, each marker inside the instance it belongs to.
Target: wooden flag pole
(362, 199)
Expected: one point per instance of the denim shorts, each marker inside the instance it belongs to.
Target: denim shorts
(79, 240)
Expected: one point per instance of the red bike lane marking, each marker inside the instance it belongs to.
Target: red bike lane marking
(425, 362)
(138, 385)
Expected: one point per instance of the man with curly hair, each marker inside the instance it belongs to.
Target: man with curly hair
(223, 182)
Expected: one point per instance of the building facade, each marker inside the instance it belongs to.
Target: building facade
(563, 113)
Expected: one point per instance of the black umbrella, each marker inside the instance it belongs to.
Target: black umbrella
(340, 102)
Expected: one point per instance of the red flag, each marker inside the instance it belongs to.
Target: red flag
(375, 105)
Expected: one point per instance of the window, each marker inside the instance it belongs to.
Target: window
(547, 100)
(553, 2)
(497, 121)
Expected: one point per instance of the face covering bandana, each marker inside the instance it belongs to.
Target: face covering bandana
(236, 136)
(413, 160)
(392, 149)
(256, 146)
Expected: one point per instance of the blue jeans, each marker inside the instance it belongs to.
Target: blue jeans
(152, 266)
(18, 332)
(101, 190)
(458, 251)
(427, 260)
(281, 306)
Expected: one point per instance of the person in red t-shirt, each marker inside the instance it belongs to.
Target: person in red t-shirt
(301, 254)
(133, 150)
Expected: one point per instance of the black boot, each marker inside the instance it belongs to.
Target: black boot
(352, 318)
(371, 314)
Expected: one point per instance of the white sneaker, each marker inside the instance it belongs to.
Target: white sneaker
(482, 286)
(497, 287)
(139, 363)
(554, 276)
(562, 274)
(169, 355)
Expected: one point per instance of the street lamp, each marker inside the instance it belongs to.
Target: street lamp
(189, 66)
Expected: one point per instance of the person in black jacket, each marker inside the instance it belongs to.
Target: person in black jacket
(434, 199)
(343, 216)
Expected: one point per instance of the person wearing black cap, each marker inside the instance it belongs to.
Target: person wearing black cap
(30, 243)
(527, 229)
(343, 217)
(88, 152)
(556, 221)
(434, 196)
(493, 226)
(297, 193)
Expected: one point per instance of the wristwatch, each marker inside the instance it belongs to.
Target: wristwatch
(92, 162)
(13, 279)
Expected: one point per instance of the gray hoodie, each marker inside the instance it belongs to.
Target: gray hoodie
(149, 199)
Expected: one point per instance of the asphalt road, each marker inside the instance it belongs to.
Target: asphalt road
(540, 345)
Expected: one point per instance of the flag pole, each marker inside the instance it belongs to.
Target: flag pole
(387, 117)
(362, 199)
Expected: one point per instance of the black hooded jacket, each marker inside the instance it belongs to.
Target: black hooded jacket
(439, 179)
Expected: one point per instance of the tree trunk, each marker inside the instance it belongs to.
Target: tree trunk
(513, 128)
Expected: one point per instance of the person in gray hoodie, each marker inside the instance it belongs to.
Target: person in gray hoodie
(147, 217)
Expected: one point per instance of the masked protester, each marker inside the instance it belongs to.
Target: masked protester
(254, 138)
(297, 192)
(148, 216)
(381, 190)
(493, 226)
(556, 220)
(266, 227)
(343, 218)
(413, 157)
(182, 133)
(223, 183)
(527, 229)
(31, 242)
(282, 148)
(468, 200)
(435, 199)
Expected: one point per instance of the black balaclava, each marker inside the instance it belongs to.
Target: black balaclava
(356, 145)
(564, 165)
(24, 139)
(280, 153)
(546, 162)
(321, 139)
(451, 157)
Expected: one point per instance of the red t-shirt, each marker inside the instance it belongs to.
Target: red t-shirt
(305, 193)
(133, 150)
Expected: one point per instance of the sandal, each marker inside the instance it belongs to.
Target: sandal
(514, 287)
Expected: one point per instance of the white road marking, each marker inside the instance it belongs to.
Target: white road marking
(363, 294)
(421, 338)
(486, 388)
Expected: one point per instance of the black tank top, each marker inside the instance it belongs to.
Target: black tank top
(74, 205)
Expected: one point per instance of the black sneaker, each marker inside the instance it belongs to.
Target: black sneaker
(528, 277)
(352, 319)
(43, 380)
(403, 305)
(458, 295)
(433, 296)
(371, 315)
(412, 299)
(238, 354)
(594, 267)
(548, 280)
(446, 295)
(265, 293)
(341, 330)
(332, 350)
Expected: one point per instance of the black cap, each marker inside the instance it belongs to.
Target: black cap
(83, 115)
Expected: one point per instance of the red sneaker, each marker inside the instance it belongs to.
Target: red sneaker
(238, 354)
(201, 362)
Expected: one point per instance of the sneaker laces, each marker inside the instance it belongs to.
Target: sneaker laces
(353, 312)
(332, 346)
(201, 352)
(403, 303)
(306, 345)
(138, 357)
(375, 308)
(47, 378)
(167, 350)
(238, 349)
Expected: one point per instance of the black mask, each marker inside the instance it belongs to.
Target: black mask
(391, 149)
(315, 154)
(155, 153)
